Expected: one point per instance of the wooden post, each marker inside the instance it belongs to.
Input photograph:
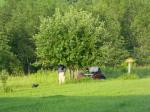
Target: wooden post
(129, 61)
(129, 68)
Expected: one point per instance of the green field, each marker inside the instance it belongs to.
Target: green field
(37, 36)
(2, 2)
(112, 95)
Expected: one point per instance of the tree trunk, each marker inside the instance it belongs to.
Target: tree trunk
(72, 72)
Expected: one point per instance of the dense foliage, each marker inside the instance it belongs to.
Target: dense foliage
(76, 38)
(74, 32)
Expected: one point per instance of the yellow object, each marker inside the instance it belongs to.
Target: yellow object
(129, 61)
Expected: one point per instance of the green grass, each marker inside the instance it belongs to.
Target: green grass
(112, 95)
(2, 2)
(142, 72)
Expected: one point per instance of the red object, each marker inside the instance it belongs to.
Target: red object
(94, 76)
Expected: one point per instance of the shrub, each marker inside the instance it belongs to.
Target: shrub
(4, 78)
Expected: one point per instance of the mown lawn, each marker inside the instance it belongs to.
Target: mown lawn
(113, 95)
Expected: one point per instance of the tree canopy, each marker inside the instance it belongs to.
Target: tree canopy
(73, 32)
(77, 38)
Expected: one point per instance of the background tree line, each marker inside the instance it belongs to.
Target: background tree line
(36, 33)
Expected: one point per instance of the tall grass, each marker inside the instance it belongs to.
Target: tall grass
(43, 78)
(142, 71)
(50, 78)
(111, 72)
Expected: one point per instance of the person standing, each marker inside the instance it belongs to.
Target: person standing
(61, 74)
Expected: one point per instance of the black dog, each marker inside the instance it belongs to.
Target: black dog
(34, 85)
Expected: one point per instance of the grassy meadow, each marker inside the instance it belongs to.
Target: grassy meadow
(2, 2)
(40, 34)
(111, 95)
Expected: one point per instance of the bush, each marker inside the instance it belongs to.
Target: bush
(4, 78)
(142, 71)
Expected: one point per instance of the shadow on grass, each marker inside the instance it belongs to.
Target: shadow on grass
(76, 104)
